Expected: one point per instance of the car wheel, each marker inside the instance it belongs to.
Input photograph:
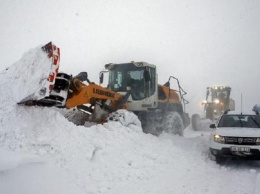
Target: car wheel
(220, 159)
(217, 158)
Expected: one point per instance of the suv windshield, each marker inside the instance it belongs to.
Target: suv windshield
(247, 121)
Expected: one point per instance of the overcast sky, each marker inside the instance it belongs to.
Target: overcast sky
(203, 42)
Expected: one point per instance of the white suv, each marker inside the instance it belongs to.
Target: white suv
(235, 135)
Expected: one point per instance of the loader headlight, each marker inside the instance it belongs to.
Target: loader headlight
(216, 101)
(219, 139)
(204, 102)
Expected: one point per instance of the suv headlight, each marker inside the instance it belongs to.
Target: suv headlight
(257, 142)
(220, 139)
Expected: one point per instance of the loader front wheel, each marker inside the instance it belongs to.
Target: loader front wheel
(172, 123)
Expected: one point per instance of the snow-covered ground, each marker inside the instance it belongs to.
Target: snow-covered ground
(42, 152)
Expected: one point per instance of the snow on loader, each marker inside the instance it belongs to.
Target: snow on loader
(217, 101)
(131, 86)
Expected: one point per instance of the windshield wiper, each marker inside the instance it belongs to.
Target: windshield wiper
(255, 122)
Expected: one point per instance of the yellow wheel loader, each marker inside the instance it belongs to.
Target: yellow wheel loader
(217, 101)
(131, 86)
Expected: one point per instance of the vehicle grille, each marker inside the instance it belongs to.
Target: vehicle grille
(240, 140)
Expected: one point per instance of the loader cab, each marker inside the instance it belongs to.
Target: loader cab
(219, 95)
(138, 78)
(217, 101)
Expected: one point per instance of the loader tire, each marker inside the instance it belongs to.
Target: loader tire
(209, 112)
(186, 119)
(172, 123)
(195, 122)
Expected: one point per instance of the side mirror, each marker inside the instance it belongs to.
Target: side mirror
(101, 77)
(147, 76)
(212, 126)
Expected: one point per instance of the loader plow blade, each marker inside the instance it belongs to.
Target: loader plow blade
(46, 83)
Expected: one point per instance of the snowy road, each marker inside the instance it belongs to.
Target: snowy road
(114, 159)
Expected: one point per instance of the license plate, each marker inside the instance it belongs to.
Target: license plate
(240, 149)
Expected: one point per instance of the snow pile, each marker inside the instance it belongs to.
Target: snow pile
(25, 76)
(126, 118)
(42, 152)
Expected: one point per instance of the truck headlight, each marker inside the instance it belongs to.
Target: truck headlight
(219, 139)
